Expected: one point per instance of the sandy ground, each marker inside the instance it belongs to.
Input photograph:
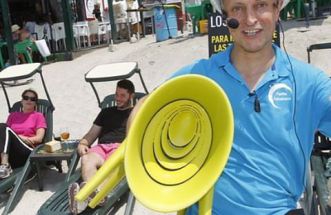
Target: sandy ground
(76, 105)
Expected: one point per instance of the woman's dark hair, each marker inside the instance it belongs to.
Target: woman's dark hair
(30, 91)
(126, 84)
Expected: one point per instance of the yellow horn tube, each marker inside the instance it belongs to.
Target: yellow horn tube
(178, 144)
(113, 180)
(111, 163)
(206, 203)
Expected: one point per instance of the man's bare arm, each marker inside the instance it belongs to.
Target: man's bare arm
(89, 139)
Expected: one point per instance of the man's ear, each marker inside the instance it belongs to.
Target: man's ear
(132, 97)
(280, 4)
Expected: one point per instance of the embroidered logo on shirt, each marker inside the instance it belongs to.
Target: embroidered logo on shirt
(278, 94)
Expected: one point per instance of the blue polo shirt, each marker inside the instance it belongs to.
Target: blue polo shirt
(265, 173)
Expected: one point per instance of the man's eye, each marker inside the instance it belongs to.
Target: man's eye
(262, 5)
(236, 9)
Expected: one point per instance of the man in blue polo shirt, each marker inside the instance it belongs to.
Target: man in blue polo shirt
(278, 103)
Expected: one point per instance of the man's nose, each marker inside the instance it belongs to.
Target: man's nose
(251, 17)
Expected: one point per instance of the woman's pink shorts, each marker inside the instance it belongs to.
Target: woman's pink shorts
(104, 150)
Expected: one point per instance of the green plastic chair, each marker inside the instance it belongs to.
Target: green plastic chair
(58, 203)
(7, 183)
(24, 48)
(20, 175)
(44, 107)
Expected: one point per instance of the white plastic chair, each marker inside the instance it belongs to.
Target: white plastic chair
(126, 22)
(43, 31)
(83, 31)
(121, 17)
(58, 33)
(76, 36)
(102, 30)
(93, 30)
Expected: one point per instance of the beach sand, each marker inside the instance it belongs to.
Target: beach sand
(76, 105)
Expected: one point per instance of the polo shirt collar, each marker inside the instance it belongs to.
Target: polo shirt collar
(280, 68)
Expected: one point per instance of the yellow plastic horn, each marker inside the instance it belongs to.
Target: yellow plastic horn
(177, 146)
(179, 143)
(113, 180)
(103, 173)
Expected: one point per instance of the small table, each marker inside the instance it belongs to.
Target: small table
(39, 154)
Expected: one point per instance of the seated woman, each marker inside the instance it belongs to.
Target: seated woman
(22, 132)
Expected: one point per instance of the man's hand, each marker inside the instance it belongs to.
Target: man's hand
(88, 139)
(82, 149)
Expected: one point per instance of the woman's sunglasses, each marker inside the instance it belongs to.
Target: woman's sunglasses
(33, 99)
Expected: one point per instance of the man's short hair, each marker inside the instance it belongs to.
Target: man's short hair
(126, 84)
(221, 4)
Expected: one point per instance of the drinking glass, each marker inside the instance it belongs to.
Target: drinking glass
(64, 134)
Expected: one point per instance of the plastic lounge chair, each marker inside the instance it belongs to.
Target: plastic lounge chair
(23, 173)
(58, 203)
(321, 156)
(13, 73)
(17, 73)
(109, 100)
(20, 175)
(113, 72)
(7, 183)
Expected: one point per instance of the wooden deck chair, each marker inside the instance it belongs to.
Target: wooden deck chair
(19, 175)
(58, 203)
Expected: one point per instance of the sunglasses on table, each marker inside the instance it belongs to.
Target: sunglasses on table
(33, 99)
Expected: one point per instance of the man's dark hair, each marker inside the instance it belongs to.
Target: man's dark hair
(126, 84)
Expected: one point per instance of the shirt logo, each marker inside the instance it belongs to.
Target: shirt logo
(278, 94)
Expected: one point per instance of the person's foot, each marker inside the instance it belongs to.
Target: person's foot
(102, 202)
(5, 171)
(75, 206)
